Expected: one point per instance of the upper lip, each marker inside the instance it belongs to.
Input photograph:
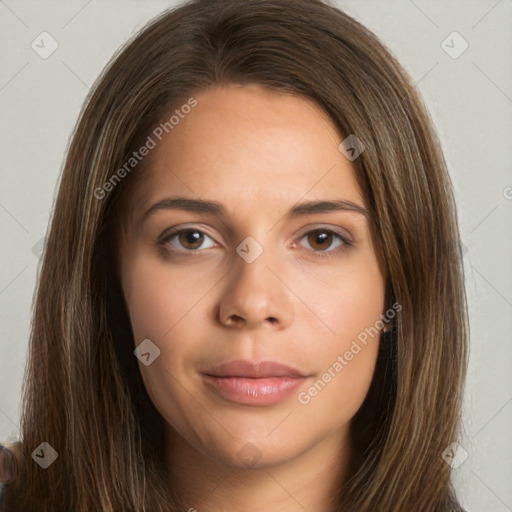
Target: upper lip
(254, 370)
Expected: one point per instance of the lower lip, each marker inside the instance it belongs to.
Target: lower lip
(247, 391)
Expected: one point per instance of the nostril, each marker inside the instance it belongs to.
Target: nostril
(234, 319)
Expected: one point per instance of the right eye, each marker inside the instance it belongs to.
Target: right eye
(185, 240)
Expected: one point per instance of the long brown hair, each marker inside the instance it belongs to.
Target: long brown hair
(83, 393)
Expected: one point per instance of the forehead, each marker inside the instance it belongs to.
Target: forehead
(246, 147)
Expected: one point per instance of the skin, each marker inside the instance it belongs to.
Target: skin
(259, 153)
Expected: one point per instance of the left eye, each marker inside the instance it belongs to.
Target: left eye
(321, 239)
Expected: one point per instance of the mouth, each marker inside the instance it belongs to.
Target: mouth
(254, 383)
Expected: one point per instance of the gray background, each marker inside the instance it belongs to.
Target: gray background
(470, 100)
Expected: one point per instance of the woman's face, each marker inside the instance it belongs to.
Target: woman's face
(267, 274)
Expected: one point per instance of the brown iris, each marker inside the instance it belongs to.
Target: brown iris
(320, 237)
(191, 236)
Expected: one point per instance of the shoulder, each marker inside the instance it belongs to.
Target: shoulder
(7, 463)
(8, 467)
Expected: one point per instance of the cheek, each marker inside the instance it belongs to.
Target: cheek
(160, 297)
(343, 302)
(336, 394)
(161, 305)
(349, 318)
(165, 306)
(358, 305)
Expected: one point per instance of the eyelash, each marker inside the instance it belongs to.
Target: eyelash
(167, 236)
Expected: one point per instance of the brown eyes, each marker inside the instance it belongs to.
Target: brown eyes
(191, 240)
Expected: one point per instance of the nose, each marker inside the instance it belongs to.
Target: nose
(256, 295)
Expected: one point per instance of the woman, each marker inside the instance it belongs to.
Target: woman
(310, 351)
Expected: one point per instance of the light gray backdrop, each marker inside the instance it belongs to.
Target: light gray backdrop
(45, 77)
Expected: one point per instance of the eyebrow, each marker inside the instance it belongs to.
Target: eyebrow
(215, 208)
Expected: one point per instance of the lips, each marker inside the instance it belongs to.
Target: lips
(254, 383)
(254, 370)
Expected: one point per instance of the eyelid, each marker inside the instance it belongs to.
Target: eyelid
(342, 233)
